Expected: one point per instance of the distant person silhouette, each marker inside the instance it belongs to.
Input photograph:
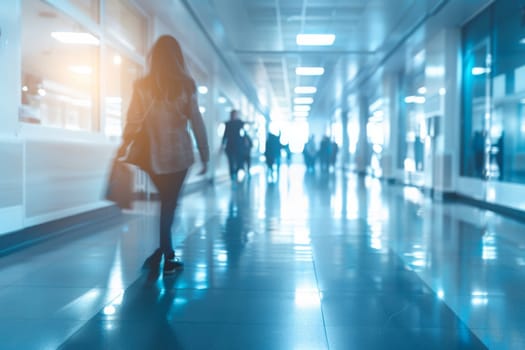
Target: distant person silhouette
(246, 153)
(163, 103)
(325, 150)
(272, 155)
(310, 154)
(232, 143)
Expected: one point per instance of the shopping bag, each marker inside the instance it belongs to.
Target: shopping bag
(120, 185)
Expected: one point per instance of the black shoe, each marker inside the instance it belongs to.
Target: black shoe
(153, 261)
(172, 265)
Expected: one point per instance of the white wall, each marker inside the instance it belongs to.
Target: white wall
(11, 148)
(10, 65)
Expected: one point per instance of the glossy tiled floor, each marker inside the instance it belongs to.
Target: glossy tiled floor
(307, 262)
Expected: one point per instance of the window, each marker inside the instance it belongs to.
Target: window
(493, 130)
(127, 25)
(119, 75)
(412, 120)
(59, 70)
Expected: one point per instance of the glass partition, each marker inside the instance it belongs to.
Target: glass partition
(119, 75)
(127, 25)
(60, 70)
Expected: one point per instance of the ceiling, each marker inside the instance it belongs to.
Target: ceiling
(256, 40)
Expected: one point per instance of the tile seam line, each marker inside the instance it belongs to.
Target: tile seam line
(320, 299)
(460, 319)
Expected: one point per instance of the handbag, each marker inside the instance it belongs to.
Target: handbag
(137, 152)
(119, 188)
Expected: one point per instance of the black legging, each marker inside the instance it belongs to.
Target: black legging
(168, 186)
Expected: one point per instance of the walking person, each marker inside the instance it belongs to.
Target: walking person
(163, 103)
(310, 153)
(272, 155)
(246, 156)
(233, 144)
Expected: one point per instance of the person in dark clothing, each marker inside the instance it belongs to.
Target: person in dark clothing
(246, 153)
(310, 154)
(288, 153)
(333, 154)
(325, 148)
(272, 153)
(232, 143)
(162, 106)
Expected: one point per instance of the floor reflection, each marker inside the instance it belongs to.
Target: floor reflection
(139, 319)
(311, 261)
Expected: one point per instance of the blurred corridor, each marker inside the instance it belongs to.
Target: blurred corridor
(309, 262)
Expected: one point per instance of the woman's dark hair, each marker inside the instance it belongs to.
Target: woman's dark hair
(168, 76)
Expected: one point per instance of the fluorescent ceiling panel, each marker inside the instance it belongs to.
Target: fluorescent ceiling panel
(309, 70)
(301, 108)
(315, 39)
(79, 38)
(300, 114)
(303, 100)
(305, 90)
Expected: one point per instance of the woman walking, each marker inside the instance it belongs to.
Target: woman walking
(162, 105)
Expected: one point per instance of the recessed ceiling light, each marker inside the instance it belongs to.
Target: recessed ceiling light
(315, 39)
(301, 108)
(300, 114)
(221, 100)
(303, 100)
(203, 90)
(309, 70)
(80, 38)
(305, 90)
